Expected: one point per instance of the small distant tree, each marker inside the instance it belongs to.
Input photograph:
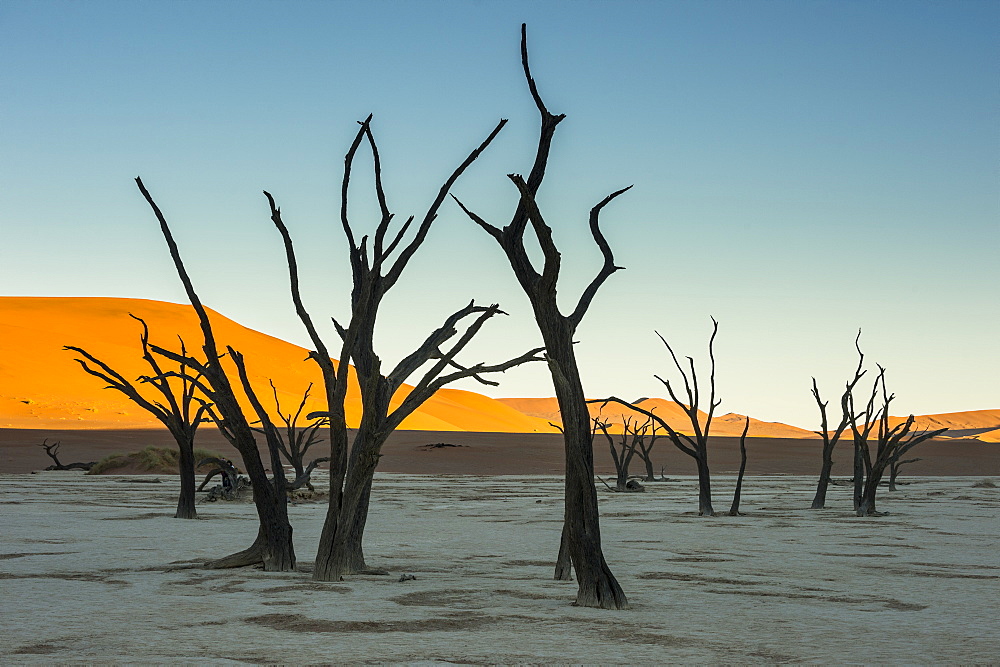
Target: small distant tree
(622, 450)
(830, 439)
(889, 441)
(52, 451)
(650, 432)
(295, 440)
(894, 465)
(179, 409)
(696, 445)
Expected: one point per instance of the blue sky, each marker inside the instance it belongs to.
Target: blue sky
(801, 169)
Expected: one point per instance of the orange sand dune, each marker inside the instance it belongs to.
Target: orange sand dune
(988, 436)
(723, 425)
(957, 422)
(41, 386)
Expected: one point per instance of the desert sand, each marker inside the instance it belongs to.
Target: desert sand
(95, 570)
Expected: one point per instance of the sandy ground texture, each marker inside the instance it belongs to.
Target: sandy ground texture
(95, 570)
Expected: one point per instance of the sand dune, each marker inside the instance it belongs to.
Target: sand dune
(959, 424)
(724, 425)
(42, 387)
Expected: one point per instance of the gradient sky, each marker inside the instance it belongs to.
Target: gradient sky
(801, 169)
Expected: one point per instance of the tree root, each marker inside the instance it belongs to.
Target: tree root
(252, 555)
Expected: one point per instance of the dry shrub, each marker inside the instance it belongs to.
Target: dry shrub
(984, 484)
(163, 460)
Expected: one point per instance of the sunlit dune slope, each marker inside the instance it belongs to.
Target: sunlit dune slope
(41, 386)
(982, 425)
(728, 425)
(988, 436)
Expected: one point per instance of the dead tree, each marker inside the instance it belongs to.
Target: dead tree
(889, 442)
(273, 545)
(830, 440)
(695, 446)
(52, 451)
(894, 465)
(296, 441)
(650, 433)
(223, 468)
(375, 270)
(582, 534)
(179, 409)
(734, 509)
(623, 450)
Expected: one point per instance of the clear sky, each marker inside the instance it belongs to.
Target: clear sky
(801, 169)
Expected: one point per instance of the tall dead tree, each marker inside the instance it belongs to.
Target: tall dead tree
(696, 445)
(889, 441)
(830, 439)
(273, 545)
(180, 410)
(375, 271)
(582, 534)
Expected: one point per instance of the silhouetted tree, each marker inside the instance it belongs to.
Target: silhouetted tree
(374, 273)
(582, 535)
(695, 446)
(894, 465)
(889, 442)
(623, 449)
(179, 409)
(650, 434)
(52, 451)
(830, 440)
(273, 545)
(296, 440)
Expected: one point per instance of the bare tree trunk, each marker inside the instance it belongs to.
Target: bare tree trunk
(819, 500)
(564, 564)
(650, 475)
(734, 510)
(354, 546)
(859, 476)
(866, 505)
(704, 485)
(597, 585)
(185, 464)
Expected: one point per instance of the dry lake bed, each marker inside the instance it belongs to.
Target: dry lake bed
(96, 570)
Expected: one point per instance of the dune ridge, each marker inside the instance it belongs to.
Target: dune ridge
(730, 424)
(42, 386)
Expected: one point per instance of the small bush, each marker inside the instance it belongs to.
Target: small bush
(984, 484)
(162, 460)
